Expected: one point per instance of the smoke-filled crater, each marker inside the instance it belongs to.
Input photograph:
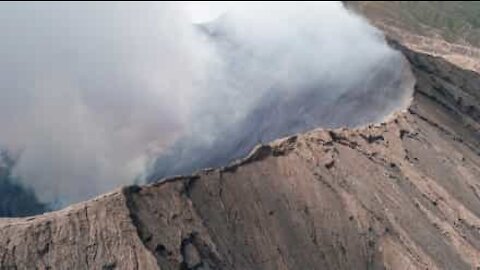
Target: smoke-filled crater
(161, 89)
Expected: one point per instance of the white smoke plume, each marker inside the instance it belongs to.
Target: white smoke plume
(97, 95)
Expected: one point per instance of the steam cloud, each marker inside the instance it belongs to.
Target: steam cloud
(96, 95)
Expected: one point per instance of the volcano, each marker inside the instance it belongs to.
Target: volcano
(401, 194)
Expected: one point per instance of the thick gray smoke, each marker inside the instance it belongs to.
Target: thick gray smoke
(90, 91)
(96, 95)
(287, 67)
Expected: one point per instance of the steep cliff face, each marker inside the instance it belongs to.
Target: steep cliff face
(400, 195)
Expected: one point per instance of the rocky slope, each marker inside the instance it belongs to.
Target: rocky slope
(448, 29)
(400, 195)
(454, 21)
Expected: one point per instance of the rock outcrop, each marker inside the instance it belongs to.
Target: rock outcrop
(404, 194)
